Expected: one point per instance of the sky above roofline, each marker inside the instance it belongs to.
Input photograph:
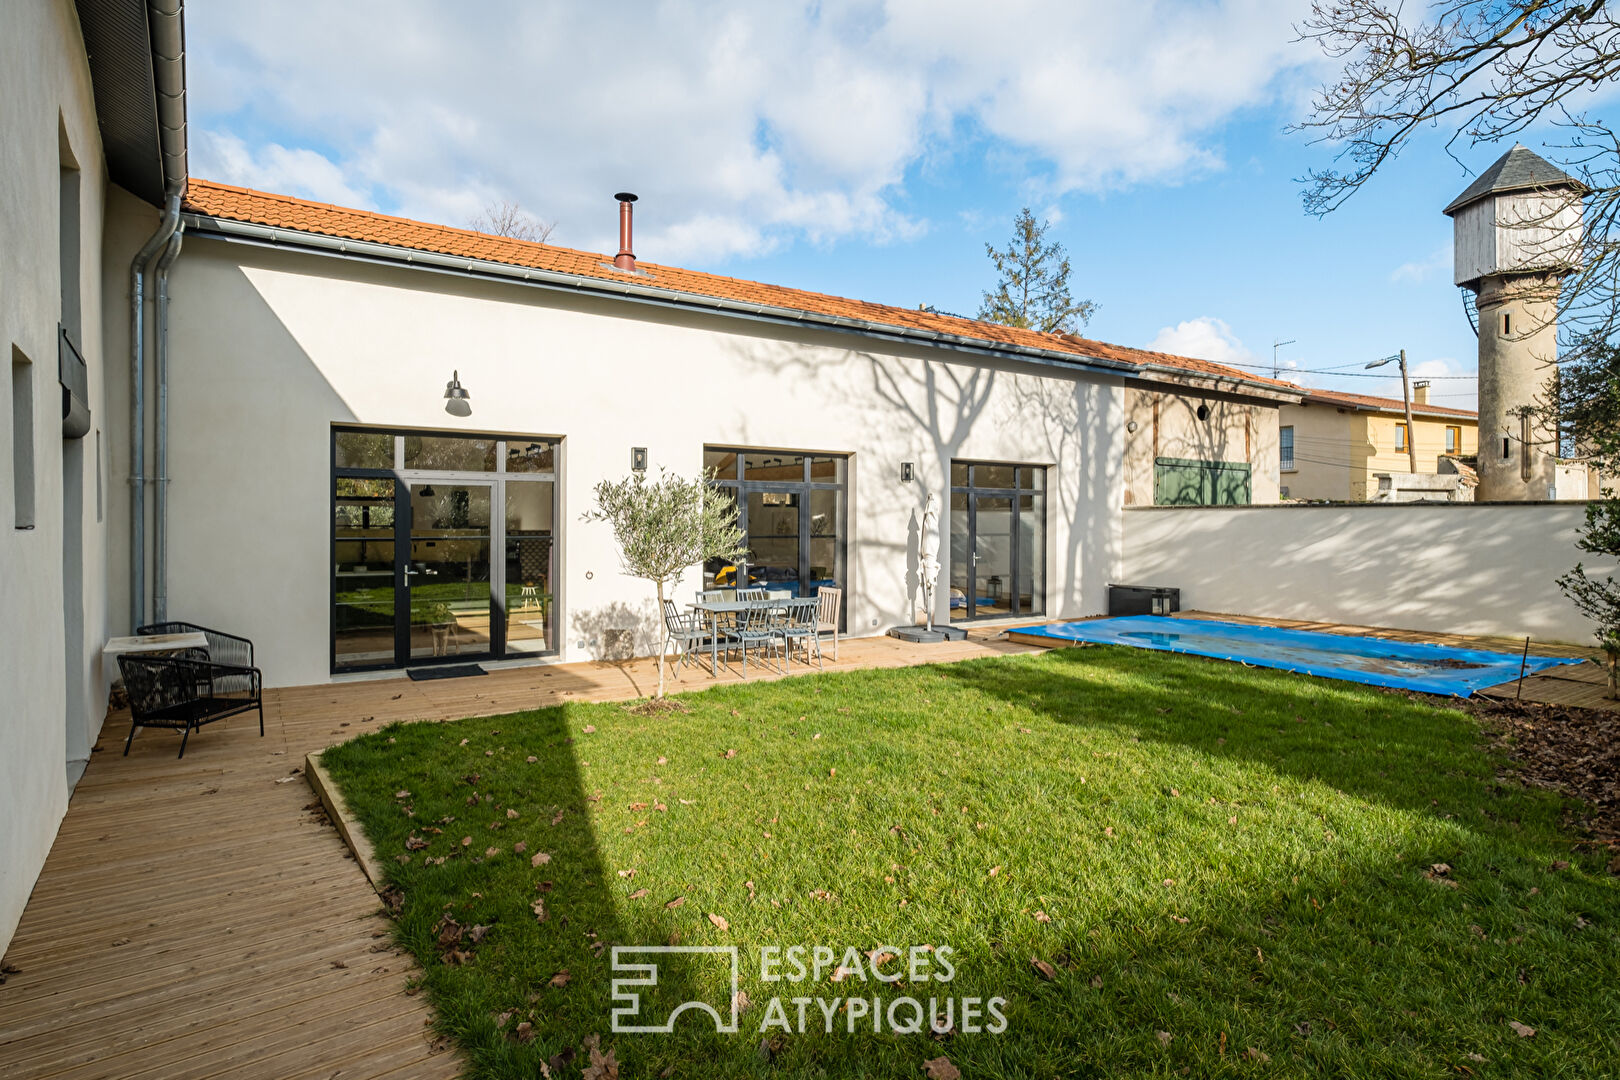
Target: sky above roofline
(872, 150)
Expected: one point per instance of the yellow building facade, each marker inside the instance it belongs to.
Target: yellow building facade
(1333, 446)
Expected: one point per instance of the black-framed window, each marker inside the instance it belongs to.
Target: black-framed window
(443, 547)
(793, 508)
(1285, 446)
(998, 540)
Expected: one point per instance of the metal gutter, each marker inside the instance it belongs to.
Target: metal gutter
(1187, 376)
(365, 250)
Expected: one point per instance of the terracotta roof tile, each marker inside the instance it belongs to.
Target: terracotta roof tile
(1380, 404)
(285, 212)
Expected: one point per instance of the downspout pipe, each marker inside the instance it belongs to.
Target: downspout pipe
(160, 439)
(165, 22)
(137, 406)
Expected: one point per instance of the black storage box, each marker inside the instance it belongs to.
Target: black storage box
(1142, 600)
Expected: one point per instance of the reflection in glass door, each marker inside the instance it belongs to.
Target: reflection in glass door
(448, 577)
(998, 540)
(363, 547)
(442, 547)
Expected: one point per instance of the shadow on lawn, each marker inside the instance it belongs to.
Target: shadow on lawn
(1316, 730)
(491, 960)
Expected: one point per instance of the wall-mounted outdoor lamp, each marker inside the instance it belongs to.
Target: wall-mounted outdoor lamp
(457, 402)
(908, 471)
(638, 459)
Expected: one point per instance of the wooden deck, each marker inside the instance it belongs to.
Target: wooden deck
(195, 919)
(1582, 686)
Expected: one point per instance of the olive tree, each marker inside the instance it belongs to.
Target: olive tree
(664, 527)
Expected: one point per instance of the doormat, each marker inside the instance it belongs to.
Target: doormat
(447, 671)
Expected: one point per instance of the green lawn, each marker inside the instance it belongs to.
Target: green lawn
(1234, 857)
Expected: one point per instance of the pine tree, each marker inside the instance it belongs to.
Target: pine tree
(1033, 290)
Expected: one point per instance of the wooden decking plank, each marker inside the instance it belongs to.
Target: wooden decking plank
(261, 896)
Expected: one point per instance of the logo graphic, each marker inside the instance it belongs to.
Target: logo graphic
(627, 998)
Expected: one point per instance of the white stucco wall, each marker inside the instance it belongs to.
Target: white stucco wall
(270, 348)
(51, 704)
(1461, 568)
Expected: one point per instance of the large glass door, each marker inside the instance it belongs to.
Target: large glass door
(448, 577)
(998, 540)
(443, 547)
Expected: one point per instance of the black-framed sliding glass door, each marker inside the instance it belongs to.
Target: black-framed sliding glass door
(998, 540)
(793, 509)
(442, 547)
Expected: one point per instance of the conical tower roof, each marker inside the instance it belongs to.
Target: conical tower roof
(1520, 169)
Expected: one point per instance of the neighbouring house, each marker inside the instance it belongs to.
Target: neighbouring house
(367, 442)
(1335, 446)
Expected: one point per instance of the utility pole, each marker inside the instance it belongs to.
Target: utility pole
(1406, 399)
(1276, 369)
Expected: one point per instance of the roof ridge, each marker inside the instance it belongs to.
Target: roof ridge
(351, 222)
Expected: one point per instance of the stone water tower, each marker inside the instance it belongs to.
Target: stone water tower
(1517, 235)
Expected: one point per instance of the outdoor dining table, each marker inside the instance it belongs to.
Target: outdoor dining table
(716, 608)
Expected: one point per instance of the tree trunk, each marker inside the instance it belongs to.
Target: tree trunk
(663, 642)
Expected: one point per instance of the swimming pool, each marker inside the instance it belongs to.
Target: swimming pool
(1433, 669)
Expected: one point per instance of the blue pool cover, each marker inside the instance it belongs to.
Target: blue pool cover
(1432, 669)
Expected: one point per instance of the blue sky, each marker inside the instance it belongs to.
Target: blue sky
(869, 149)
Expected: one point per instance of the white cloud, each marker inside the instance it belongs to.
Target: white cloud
(742, 125)
(276, 168)
(1204, 338)
(1423, 269)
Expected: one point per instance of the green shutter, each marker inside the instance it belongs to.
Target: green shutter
(1193, 482)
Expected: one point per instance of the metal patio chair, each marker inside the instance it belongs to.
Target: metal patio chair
(686, 629)
(183, 694)
(829, 601)
(223, 648)
(756, 629)
(751, 594)
(799, 625)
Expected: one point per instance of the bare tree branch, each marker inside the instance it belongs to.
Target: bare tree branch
(503, 217)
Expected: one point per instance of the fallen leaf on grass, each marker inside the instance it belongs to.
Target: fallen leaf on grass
(524, 1032)
(1254, 1053)
(402, 794)
(511, 815)
(590, 729)
(638, 894)
(675, 903)
(1042, 917)
(466, 841)
(729, 754)
(739, 1001)
(557, 817)
(560, 979)
(415, 843)
(1164, 1037)
(940, 1068)
(719, 922)
(1047, 971)
(1560, 864)
(539, 858)
(995, 870)
(1182, 919)
(1523, 1031)
(1096, 982)
(491, 852)
(627, 873)
(519, 848)
(602, 1066)
(539, 908)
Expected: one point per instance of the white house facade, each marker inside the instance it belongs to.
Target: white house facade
(313, 487)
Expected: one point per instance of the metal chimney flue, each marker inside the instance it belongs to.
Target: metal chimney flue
(626, 258)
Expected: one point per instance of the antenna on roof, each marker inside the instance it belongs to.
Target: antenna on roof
(1276, 369)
